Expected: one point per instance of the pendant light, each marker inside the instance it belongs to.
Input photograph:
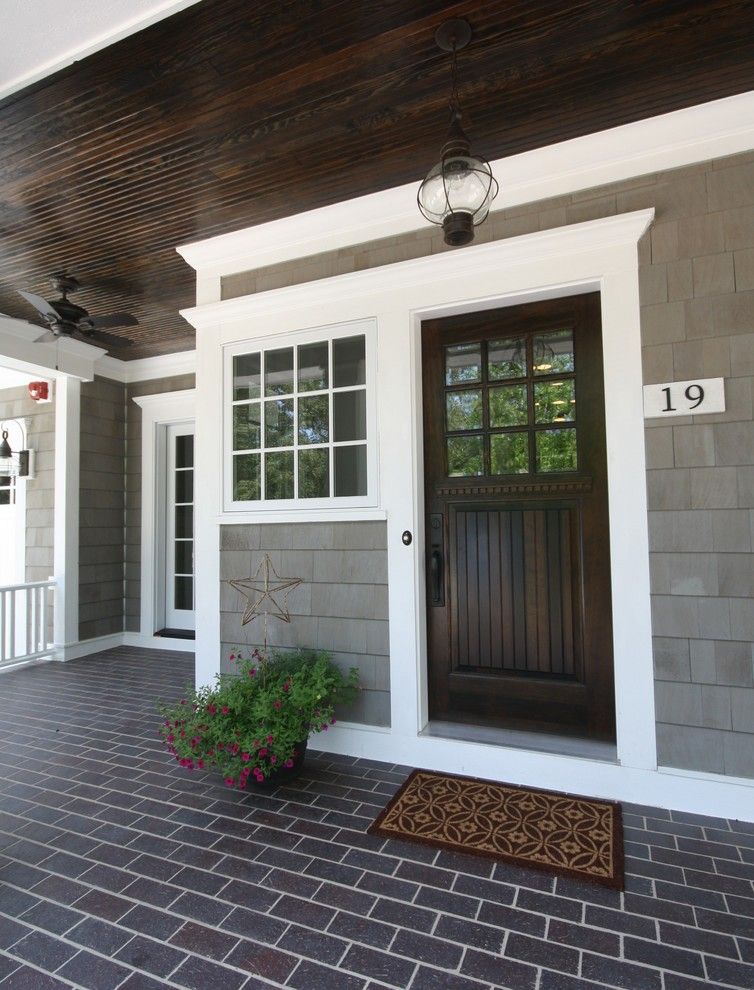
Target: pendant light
(458, 191)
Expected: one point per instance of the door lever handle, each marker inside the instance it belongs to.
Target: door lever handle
(436, 570)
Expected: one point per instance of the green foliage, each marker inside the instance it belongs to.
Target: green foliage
(253, 721)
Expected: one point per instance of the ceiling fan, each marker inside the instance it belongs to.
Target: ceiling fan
(66, 319)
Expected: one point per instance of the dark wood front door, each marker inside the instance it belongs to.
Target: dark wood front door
(518, 556)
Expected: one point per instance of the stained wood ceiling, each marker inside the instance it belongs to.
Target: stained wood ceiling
(233, 113)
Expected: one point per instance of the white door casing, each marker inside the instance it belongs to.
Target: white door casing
(177, 556)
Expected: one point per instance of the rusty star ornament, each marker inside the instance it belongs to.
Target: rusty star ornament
(266, 593)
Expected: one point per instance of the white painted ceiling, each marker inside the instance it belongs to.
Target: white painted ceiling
(38, 37)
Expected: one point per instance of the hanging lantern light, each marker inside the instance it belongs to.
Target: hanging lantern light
(18, 465)
(458, 191)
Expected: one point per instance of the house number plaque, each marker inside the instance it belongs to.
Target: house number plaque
(692, 398)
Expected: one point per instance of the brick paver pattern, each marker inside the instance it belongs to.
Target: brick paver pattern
(118, 869)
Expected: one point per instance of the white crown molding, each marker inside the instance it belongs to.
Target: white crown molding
(710, 130)
(513, 252)
(167, 404)
(147, 369)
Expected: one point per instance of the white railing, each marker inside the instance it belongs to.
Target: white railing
(24, 622)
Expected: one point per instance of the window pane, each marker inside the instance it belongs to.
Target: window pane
(554, 402)
(508, 406)
(463, 363)
(463, 410)
(350, 415)
(556, 450)
(465, 456)
(184, 451)
(314, 419)
(247, 434)
(184, 556)
(279, 474)
(184, 486)
(312, 367)
(246, 478)
(184, 521)
(553, 352)
(278, 371)
(509, 453)
(506, 358)
(184, 593)
(349, 361)
(351, 470)
(278, 423)
(313, 473)
(246, 378)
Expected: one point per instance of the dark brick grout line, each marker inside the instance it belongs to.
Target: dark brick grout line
(152, 775)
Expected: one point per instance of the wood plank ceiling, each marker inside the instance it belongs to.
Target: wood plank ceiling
(233, 113)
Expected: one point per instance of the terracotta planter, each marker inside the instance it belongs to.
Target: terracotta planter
(282, 775)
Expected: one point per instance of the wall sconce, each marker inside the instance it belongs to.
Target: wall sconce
(14, 465)
(458, 191)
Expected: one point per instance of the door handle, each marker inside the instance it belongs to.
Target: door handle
(436, 569)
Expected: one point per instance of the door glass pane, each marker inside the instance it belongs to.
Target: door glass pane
(465, 456)
(351, 470)
(463, 410)
(509, 453)
(350, 415)
(184, 521)
(184, 554)
(553, 352)
(314, 419)
(184, 593)
(247, 383)
(556, 450)
(506, 358)
(279, 474)
(247, 477)
(508, 405)
(349, 361)
(463, 363)
(184, 451)
(554, 402)
(247, 434)
(314, 473)
(184, 486)
(312, 367)
(278, 371)
(278, 423)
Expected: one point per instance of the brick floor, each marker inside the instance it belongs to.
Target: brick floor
(120, 870)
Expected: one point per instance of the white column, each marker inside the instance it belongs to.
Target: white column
(66, 515)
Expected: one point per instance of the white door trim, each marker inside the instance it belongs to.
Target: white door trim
(157, 411)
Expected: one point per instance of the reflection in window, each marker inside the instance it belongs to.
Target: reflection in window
(556, 450)
(555, 402)
(508, 405)
(553, 352)
(314, 473)
(278, 371)
(463, 363)
(506, 358)
(465, 456)
(464, 410)
(351, 470)
(278, 474)
(509, 453)
(349, 361)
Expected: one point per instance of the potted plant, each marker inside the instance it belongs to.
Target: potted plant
(253, 725)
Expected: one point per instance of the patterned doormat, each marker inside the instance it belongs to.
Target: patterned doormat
(574, 836)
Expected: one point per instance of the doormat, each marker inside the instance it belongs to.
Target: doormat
(572, 836)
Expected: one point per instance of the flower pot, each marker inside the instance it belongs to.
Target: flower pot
(282, 775)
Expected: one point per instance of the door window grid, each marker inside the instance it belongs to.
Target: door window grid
(510, 406)
(7, 490)
(183, 509)
(285, 443)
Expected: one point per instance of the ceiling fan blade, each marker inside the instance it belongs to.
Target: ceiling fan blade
(41, 305)
(97, 337)
(111, 320)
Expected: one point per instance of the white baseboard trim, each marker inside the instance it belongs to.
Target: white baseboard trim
(85, 647)
(681, 790)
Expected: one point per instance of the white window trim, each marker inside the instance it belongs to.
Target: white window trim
(157, 412)
(302, 509)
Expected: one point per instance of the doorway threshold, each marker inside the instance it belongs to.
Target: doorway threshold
(176, 633)
(587, 749)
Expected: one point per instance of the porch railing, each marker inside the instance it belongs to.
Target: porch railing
(24, 622)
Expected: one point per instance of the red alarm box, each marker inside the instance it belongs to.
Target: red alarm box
(39, 391)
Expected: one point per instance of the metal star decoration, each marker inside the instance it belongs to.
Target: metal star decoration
(260, 591)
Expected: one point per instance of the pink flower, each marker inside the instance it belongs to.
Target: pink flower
(235, 748)
(246, 757)
(332, 721)
(225, 710)
(211, 710)
(200, 764)
(170, 738)
(270, 740)
(277, 704)
(262, 752)
(287, 686)
(288, 764)
(242, 785)
(229, 782)
(252, 672)
(183, 701)
(273, 758)
(232, 656)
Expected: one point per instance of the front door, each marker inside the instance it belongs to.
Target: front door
(179, 528)
(518, 557)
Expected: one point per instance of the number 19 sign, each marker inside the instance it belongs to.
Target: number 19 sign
(694, 398)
